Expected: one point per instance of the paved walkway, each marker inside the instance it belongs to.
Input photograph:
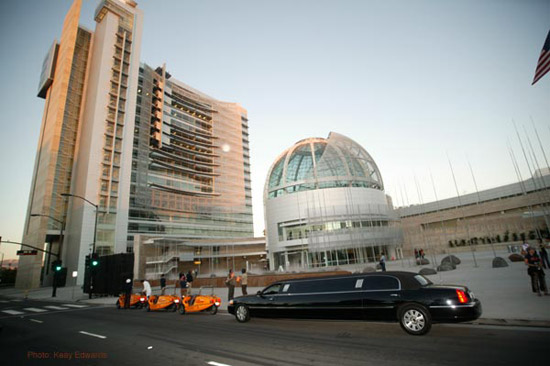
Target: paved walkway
(505, 293)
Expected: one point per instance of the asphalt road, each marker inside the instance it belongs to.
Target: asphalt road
(107, 336)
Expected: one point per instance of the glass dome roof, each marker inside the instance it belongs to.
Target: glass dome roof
(318, 163)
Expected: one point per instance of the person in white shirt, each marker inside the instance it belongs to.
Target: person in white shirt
(147, 288)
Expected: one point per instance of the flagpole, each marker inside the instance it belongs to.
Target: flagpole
(535, 185)
(462, 209)
(489, 234)
(541, 191)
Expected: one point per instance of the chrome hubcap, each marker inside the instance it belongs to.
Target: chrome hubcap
(414, 320)
(241, 313)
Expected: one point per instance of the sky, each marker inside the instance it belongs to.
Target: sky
(418, 84)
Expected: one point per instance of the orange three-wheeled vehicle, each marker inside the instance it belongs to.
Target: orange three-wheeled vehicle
(163, 302)
(136, 301)
(201, 303)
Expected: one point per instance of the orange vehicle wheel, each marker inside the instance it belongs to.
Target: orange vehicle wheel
(182, 309)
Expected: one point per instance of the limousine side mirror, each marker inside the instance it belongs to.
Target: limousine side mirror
(259, 293)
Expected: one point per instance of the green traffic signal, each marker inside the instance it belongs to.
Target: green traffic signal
(58, 268)
(95, 263)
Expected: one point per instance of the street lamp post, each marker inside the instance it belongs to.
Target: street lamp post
(95, 232)
(62, 223)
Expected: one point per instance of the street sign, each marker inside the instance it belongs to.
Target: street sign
(27, 252)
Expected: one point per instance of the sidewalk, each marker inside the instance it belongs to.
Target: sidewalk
(505, 293)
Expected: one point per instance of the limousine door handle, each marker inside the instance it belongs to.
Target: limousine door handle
(397, 295)
(270, 299)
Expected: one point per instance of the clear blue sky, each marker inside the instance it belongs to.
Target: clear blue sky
(411, 81)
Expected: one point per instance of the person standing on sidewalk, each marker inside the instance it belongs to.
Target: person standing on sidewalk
(162, 284)
(183, 285)
(230, 282)
(147, 291)
(244, 281)
(383, 262)
(534, 269)
(189, 278)
(127, 292)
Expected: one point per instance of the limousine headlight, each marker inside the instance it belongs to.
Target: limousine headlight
(230, 302)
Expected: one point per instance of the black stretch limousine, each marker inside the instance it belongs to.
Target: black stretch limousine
(409, 298)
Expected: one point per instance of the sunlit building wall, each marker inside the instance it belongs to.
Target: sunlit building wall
(89, 81)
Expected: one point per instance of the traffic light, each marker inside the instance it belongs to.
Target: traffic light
(57, 265)
(95, 260)
(87, 262)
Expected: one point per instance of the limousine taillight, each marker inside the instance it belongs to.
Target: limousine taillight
(462, 298)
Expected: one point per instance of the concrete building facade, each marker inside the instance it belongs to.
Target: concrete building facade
(82, 167)
(505, 214)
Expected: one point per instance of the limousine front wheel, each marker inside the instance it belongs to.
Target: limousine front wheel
(242, 313)
(415, 319)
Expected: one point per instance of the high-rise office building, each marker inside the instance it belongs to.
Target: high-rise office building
(126, 149)
(89, 81)
(191, 168)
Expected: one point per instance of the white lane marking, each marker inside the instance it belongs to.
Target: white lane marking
(92, 334)
(150, 347)
(55, 307)
(214, 363)
(75, 306)
(36, 321)
(35, 310)
(13, 312)
(4, 301)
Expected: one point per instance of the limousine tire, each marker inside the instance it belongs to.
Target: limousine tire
(415, 319)
(242, 313)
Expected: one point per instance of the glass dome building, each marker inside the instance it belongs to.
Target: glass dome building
(325, 206)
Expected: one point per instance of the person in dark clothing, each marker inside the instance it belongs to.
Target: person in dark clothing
(127, 292)
(183, 284)
(534, 270)
(162, 284)
(189, 278)
(543, 254)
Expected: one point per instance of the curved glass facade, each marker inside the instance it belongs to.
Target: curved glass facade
(325, 206)
(319, 163)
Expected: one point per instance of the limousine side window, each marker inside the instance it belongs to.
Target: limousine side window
(325, 285)
(374, 283)
(272, 290)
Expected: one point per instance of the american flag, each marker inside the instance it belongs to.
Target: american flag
(543, 65)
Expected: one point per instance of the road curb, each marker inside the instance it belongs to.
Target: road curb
(513, 322)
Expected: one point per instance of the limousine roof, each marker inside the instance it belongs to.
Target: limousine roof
(407, 279)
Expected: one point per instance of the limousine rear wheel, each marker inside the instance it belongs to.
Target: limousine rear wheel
(415, 319)
(242, 313)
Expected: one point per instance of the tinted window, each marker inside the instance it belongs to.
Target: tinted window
(380, 283)
(271, 290)
(422, 280)
(328, 285)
